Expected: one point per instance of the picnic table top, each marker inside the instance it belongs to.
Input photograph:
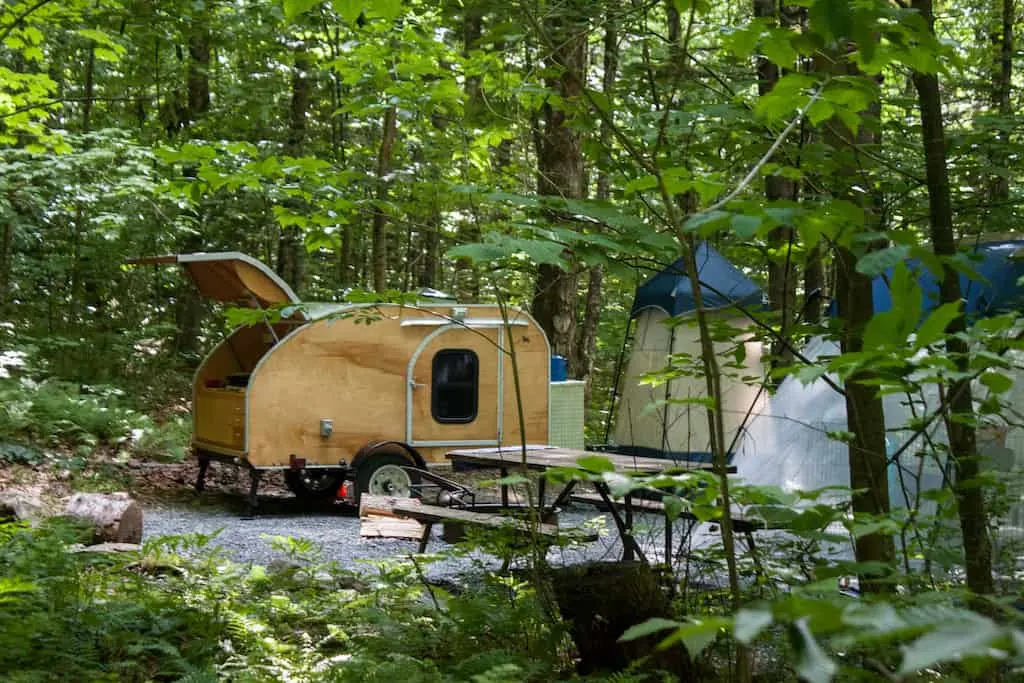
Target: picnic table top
(545, 457)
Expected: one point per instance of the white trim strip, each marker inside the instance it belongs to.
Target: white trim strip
(470, 442)
(471, 323)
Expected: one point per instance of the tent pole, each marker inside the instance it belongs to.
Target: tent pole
(615, 381)
(668, 392)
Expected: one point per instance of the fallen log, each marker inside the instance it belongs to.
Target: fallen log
(115, 517)
(21, 506)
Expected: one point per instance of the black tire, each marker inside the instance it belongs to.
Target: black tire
(382, 474)
(314, 485)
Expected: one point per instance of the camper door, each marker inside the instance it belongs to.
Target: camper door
(454, 388)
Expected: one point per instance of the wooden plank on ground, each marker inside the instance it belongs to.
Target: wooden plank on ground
(377, 518)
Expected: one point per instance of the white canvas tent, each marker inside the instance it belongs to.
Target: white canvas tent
(783, 439)
(664, 420)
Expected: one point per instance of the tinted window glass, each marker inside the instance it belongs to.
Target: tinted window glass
(455, 385)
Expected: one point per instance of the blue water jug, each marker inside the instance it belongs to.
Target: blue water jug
(559, 369)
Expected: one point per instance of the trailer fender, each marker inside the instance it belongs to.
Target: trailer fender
(374, 446)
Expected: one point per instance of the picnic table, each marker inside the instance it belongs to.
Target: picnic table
(543, 458)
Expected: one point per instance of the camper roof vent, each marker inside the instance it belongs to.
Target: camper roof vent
(428, 295)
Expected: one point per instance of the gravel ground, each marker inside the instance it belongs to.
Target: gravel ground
(336, 532)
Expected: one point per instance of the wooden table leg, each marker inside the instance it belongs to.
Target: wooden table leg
(563, 496)
(504, 488)
(425, 538)
(541, 490)
(627, 548)
(668, 541)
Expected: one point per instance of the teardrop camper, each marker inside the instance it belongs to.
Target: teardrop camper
(335, 392)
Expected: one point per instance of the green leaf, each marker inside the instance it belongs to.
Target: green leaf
(934, 327)
(875, 263)
(619, 485)
(833, 18)
(997, 382)
(951, 641)
(750, 622)
(745, 226)
(349, 10)
(882, 330)
(813, 664)
(674, 507)
(596, 463)
(779, 49)
(697, 634)
(649, 627)
(293, 8)
(386, 9)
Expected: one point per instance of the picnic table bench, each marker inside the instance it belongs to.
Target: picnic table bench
(428, 515)
(745, 526)
(543, 458)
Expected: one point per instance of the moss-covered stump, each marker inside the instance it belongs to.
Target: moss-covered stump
(600, 600)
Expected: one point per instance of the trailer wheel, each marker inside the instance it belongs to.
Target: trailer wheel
(381, 474)
(315, 485)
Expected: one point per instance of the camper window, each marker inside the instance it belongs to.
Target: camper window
(455, 385)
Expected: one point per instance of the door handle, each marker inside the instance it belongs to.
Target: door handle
(415, 385)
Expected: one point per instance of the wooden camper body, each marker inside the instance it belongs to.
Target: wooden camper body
(314, 388)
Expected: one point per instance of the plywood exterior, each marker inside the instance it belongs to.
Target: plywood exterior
(236, 278)
(219, 413)
(681, 427)
(355, 373)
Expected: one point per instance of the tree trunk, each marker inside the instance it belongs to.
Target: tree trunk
(291, 254)
(346, 265)
(199, 69)
(6, 260)
(188, 308)
(430, 242)
(960, 420)
(595, 276)
(389, 130)
(814, 281)
(467, 277)
(560, 172)
(116, 518)
(865, 416)
(600, 600)
(88, 87)
(781, 269)
(1002, 82)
